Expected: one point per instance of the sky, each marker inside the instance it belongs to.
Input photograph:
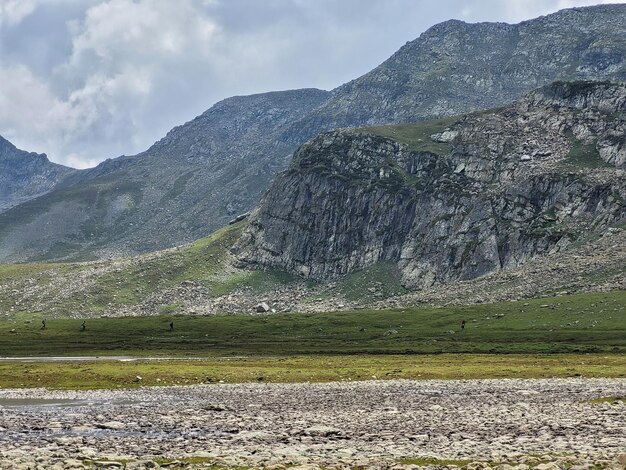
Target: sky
(87, 80)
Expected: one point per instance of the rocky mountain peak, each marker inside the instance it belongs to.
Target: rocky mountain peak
(209, 170)
(25, 175)
(456, 67)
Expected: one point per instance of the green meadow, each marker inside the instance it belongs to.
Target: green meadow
(583, 323)
(568, 336)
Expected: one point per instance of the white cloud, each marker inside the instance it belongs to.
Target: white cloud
(120, 52)
(27, 106)
(14, 11)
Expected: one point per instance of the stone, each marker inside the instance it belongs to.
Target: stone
(428, 226)
(117, 425)
(324, 431)
(73, 464)
(262, 307)
(239, 218)
(446, 136)
(548, 466)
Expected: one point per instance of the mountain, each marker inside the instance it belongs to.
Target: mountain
(25, 175)
(450, 199)
(201, 279)
(456, 67)
(188, 184)
(218, 165)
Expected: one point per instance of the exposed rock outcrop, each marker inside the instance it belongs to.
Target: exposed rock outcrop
(483, 192)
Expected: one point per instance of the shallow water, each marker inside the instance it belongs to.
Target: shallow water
(60, 402)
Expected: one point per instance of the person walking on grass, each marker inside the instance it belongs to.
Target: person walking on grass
(83, 326)
(171, 326)
(462, 325)
(43, 324)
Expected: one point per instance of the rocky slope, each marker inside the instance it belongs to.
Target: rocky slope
(26, 175)
(452, 199)
(206, 171)
(201, 279)
(185, 186)
(456, 67)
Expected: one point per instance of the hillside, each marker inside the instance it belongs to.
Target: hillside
(207, 171)
(185, 186)
(451, 199)
(26, 175)
(201, 279)
(449, 196)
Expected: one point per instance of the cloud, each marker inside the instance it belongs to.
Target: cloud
(14, 11)
(121, 53)
(85, 80)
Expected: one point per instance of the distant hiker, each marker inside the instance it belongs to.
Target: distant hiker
(171, 326)
(462, 324)
(43, 324)
(83, 326)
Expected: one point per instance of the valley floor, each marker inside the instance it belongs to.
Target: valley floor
(380, 424)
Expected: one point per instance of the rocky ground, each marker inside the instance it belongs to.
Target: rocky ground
(592, 267)
(545, 424)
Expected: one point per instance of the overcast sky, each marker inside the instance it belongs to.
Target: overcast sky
(86, 80)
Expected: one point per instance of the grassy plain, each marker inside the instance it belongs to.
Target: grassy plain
(311, 368)
(578, 335)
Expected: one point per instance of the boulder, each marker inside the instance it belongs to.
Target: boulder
(262, 307)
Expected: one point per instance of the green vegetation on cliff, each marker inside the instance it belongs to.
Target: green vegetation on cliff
(417, 135)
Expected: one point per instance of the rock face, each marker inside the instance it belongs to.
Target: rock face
(25, 175)
(207, 171)
(450, 199)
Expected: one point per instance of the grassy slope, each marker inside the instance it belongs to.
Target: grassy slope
(417, 135)
(578, 323)
(202, 262)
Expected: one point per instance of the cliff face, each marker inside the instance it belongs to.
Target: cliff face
(26, 175)
(449, 199)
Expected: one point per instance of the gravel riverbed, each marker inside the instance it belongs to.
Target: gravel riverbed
(549, 423)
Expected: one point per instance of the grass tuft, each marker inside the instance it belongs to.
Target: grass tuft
(417, 135)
